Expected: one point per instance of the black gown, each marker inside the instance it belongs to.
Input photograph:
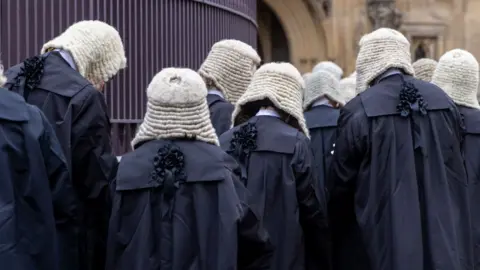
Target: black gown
(277, 167)
(78, 114)
(36, 195)
(322, 124)
(178, 205)
(400, 198)
(220, 113)
(471, 154)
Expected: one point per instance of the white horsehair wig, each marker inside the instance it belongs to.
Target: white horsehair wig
(3, 79)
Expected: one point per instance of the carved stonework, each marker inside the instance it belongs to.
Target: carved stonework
(326, 6)
(383, 13)
(319, 9)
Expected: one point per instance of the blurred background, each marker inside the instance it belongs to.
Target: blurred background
(162, 33)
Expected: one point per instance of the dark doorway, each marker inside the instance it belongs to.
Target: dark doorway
(278, 50)
(421, 51)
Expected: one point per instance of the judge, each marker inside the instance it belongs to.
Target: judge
(66, 81)
(322, 107)
(270, 142)
(35, 186)
(400, 197)
(178, 204)
(457, 74)
(227, 71)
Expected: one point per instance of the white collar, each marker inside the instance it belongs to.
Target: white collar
(67, 57)
(322, 101)
(268, 112)
(388, 73)
(216, 92)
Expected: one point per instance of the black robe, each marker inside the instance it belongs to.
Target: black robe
(400, 198)
(78, 113)
(276, 163)
(35, 190)
(471, 154)
(322, 124)
(178, 205)
(220, 113)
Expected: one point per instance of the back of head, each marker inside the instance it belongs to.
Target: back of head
(176, 108)
(96, 48)
(321, 84)
(347, 88)
(424, 69)
(229, 68)
(282, 85)
(380, 51)
(331, 67)
(457, 73)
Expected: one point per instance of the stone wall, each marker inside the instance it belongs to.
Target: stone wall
(434, 25)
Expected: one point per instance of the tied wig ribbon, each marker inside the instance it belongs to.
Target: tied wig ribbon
(244, 141)
(410, 100)
(169, 173)
(32, 71)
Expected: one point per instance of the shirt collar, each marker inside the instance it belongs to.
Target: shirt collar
(67, 57)
(388, 73)
(322, 101)
(216, 92)
(268, 112)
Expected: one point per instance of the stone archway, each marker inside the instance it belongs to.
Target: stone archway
(304, 34)
(273, 43)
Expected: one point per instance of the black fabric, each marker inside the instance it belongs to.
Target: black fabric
(37, 198)
(78, 114)
(280, 175)
(400, 199)
(471, 154)
(322, 124)
(220, 113)
(208, 226)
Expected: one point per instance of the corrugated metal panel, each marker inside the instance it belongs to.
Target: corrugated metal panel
(156, 33)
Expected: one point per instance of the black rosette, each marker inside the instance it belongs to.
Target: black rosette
(32, 72)
(244, 141)
(410, 97)
(169, 172)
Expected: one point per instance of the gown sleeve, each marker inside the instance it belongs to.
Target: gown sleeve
(94, 169)
(312, 207)
(345, 167)
(94, 163)
(255, 251)
(64, 198)
(129, 244)
(63, 194)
